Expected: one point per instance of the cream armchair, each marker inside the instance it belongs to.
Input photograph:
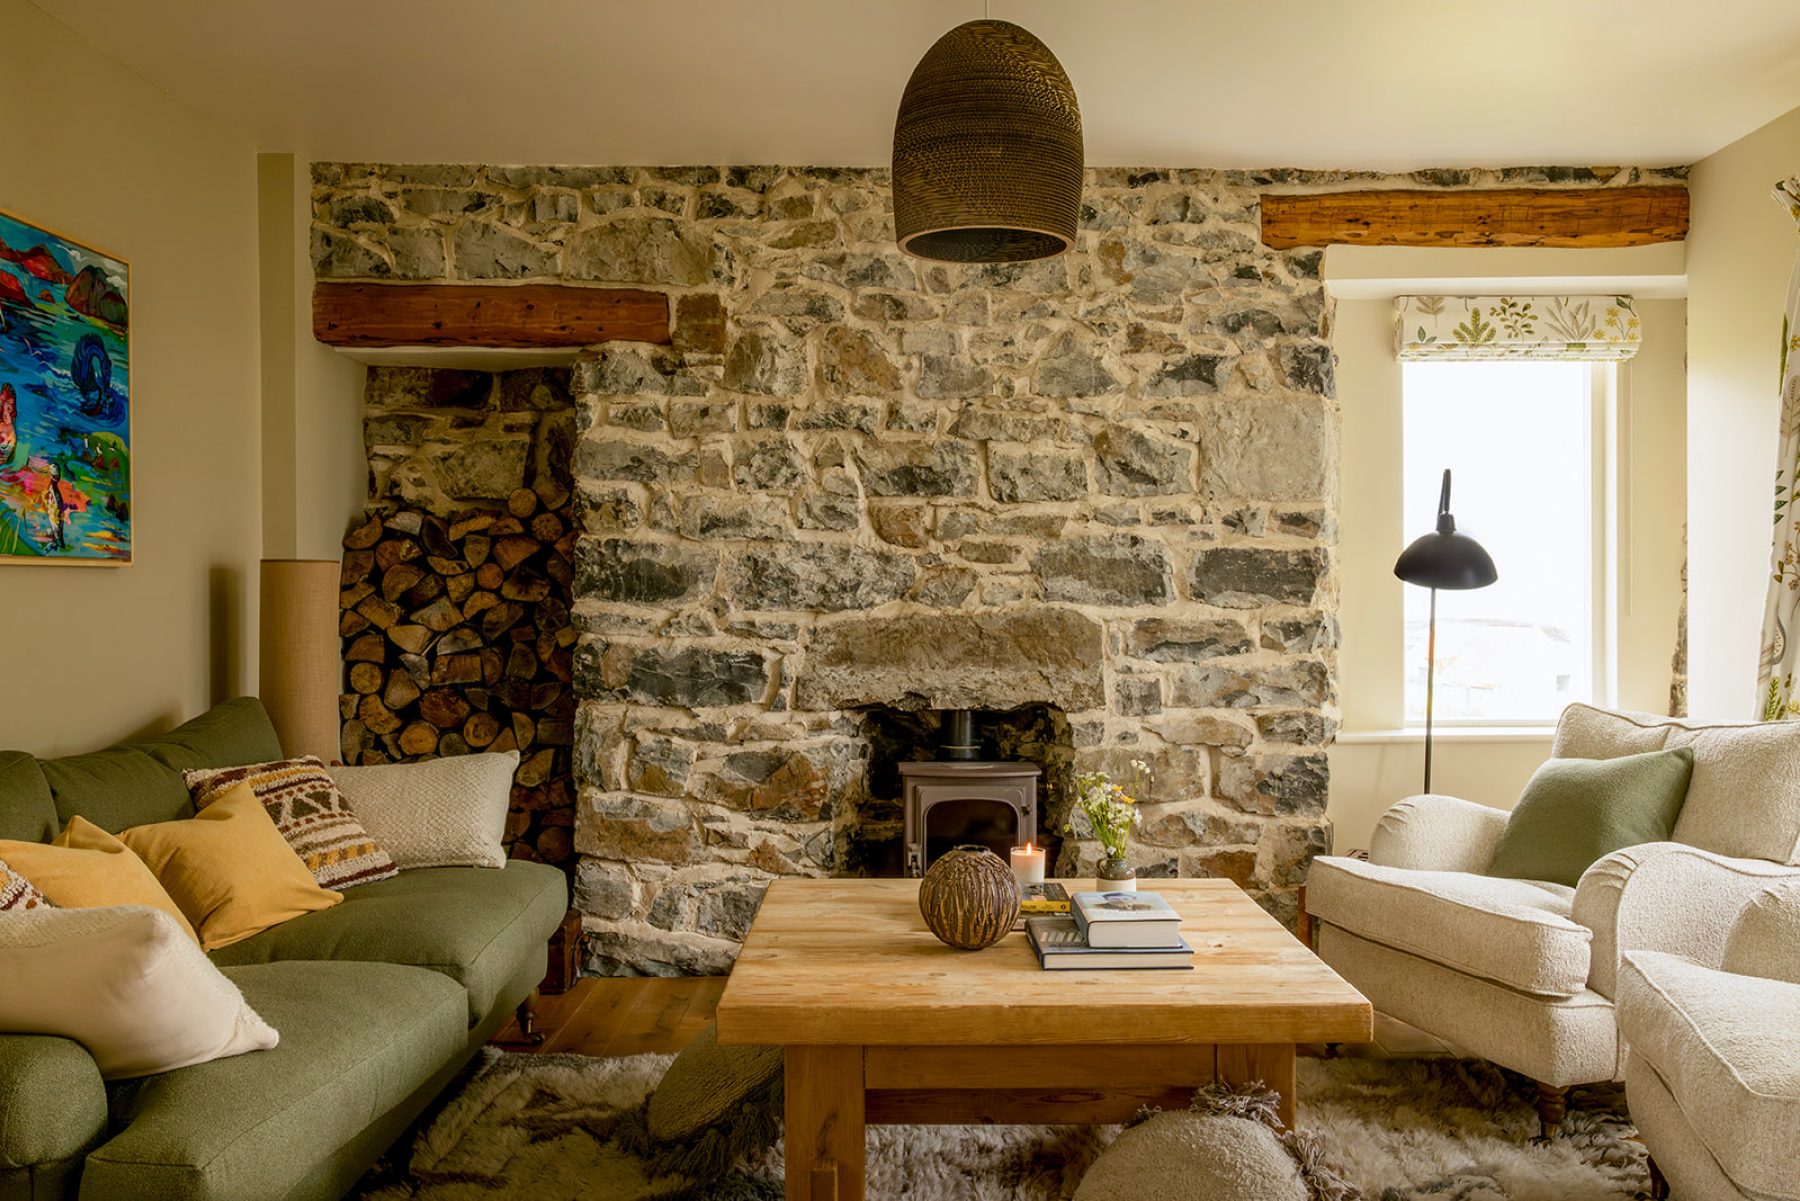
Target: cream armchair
(1714, 1077)
(1525, 973)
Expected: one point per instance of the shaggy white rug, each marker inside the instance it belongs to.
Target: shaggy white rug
(541, 1127)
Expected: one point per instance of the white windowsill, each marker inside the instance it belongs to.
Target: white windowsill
(1542, 733)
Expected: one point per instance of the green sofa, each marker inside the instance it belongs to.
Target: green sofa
(379, 1001)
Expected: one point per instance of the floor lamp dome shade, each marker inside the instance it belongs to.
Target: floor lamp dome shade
(987, 150)
(1444, 558)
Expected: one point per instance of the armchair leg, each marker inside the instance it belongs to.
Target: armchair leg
(527, 1016)
(1659, 1185)
(1552, 1106)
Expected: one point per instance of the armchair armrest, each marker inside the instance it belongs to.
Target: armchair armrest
(52, 1103)
(1437, 833)
(1765, 941)
(1665, 896)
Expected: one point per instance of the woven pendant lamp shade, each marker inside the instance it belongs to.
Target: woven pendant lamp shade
(987, 150)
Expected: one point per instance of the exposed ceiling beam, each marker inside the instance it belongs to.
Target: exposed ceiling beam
(1567, 217)
(502, 316)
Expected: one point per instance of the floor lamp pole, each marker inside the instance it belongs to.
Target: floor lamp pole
(1430, 681)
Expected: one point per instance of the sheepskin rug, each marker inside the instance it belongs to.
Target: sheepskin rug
(543, 1126)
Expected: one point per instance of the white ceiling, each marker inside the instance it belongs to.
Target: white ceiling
(1383, 84)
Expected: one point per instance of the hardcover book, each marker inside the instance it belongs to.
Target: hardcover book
(1059, 946)
(1048, 897)
(1126, 919)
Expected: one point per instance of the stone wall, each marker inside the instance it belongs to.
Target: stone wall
(1104, 483)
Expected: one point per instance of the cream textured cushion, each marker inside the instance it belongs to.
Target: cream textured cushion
(437, 812)
(127, 983)
(1517, 932)
(1766, 939)
(1728, 1047)
(1744, 797)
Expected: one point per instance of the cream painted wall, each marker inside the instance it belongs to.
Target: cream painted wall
(314, 468)
(1373, 764)
(1740, 249)
(96, 654)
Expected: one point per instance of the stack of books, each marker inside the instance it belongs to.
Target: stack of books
(1111, 930)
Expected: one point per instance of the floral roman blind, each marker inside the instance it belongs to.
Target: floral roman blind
(1516, 327)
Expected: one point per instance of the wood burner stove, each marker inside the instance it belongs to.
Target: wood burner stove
(981, 790)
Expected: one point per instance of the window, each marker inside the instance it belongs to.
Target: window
(1526, 443)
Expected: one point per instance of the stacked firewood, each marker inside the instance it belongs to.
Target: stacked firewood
(456, 640)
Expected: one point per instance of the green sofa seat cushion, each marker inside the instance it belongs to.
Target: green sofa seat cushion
(137, 783)
(52, 1101)
(474, 924)
(356, 1040)
(27, 810)
(1575, 812)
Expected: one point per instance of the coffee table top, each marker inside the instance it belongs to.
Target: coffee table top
(835, 962)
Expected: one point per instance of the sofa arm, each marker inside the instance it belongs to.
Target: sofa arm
(52, 1103)
(1665, 896)
(1437, 833)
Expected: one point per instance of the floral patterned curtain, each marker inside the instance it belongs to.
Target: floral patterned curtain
(1780, 652)
(1516, 327)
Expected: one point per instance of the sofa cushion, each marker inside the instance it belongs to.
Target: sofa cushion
(1744, 797)
(116, 788)
(27, 810)
(140, 782)
(474, 924)
(356, 1040)
(309, 811)
(1515, 932)
(233, 732)
(1729, 1048)
(1765, 939)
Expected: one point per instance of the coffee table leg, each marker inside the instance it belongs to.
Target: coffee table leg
(1271, 1063)
(825, 1124)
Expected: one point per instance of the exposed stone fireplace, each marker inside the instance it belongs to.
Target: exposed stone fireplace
(1092, 499)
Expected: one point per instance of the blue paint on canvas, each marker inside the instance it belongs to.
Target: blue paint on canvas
(65, 406)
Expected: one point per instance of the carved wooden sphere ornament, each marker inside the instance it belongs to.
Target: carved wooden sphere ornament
(987, 150)
(970, 898)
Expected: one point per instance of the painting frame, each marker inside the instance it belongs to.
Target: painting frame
(102, 453)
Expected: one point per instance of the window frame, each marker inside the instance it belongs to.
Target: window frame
(1607, 540)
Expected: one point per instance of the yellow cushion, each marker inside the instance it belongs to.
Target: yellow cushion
(229, 869)
(87, 868)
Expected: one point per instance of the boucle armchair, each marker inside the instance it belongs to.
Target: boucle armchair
(1714, 1077)
(1525, 973)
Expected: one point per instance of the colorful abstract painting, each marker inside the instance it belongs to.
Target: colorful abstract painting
(65, 400)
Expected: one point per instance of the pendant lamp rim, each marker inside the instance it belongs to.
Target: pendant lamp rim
(913, 236)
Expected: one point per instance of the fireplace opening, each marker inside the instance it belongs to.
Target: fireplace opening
(940, 779)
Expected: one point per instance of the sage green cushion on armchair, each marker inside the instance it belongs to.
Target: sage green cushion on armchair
(1575, 812)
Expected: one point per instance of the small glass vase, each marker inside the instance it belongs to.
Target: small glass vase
(1115, 875)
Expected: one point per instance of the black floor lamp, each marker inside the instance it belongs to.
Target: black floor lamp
(1442, 559)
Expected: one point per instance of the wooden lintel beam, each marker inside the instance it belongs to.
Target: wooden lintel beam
(1567, 217)
(511, 316)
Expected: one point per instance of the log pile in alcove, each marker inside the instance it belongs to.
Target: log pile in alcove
(457, 640)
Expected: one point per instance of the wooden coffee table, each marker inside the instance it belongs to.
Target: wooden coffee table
(884, 1024)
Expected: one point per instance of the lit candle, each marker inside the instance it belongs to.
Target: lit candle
(1028, 865)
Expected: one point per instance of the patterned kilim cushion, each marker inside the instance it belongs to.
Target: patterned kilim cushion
(310, 813)
(16, 892)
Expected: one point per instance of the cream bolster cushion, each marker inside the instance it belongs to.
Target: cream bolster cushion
(127, 983)
(437, 812)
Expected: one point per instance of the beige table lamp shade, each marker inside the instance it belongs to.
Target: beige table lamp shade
(301, 667)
